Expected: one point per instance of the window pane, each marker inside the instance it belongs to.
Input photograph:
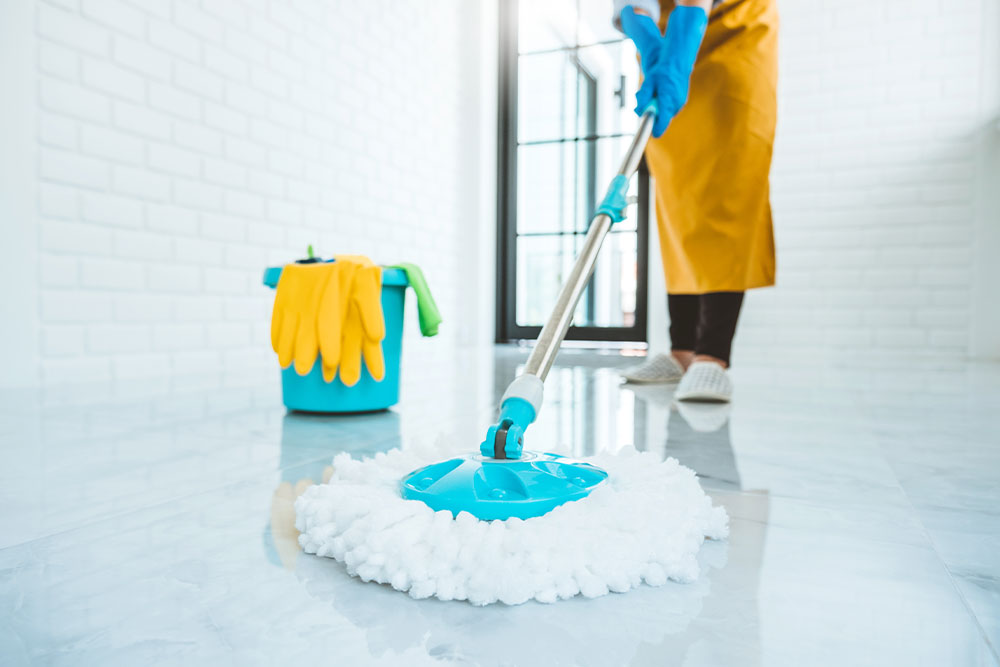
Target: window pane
(559, 185)
(552, 97)
(608, 158)
(546, 24)
(574, 94)
(549, 196)
(576, 83)
(595, 22)
(615, 72)
(609, 300)
(543, 262)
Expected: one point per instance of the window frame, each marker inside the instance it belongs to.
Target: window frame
(507, 328)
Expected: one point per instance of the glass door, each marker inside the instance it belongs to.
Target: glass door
(567, 85)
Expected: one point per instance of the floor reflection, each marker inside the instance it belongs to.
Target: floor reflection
(591, 410)
(359, 434)
(156, 526)
(610, 630)
(698, 435)
(820, 530)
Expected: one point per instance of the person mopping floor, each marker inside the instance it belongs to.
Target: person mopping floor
(711, 167)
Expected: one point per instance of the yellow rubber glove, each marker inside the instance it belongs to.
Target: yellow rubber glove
(308, 294)
(293, 320)
(350, 360)
(371, 350)
(285, 316)
(333, 309)
(364, 324)
(366, 299)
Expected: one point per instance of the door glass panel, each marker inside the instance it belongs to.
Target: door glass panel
(552, 97)
(548, 200)
(560, 184)
(595, 22)
(610, 297)
(546, 24)
(553, 92)
(616, 71)
(542, 263)
(576, 78)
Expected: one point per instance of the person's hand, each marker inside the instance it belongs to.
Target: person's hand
(666, 61)
(645, 34)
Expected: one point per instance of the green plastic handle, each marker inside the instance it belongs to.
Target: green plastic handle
(427, 310)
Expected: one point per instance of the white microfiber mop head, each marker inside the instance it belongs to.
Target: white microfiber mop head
(644, 524)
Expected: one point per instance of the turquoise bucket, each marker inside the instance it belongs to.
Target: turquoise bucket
(311, 393)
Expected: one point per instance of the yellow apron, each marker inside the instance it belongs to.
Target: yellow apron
(711, 166)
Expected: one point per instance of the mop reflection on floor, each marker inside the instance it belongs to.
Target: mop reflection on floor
(590, 633)
(360, 434)
(698, 435)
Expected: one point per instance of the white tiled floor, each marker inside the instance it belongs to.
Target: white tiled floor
(148, 525)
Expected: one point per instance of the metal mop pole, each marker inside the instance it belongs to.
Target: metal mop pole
(523, 399)
(551, 337)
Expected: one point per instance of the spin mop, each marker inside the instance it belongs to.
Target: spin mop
(509, 524)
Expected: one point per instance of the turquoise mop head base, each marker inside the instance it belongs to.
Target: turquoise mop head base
(491, 489)
(505, 481)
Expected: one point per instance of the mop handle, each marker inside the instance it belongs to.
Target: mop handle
(554, 331)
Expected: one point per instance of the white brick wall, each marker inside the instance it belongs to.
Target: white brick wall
(883, 117)
(184, 145)
(169, 149)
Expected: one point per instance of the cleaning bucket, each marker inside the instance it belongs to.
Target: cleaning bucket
(311, 393)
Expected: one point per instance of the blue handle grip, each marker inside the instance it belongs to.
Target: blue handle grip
(614, 203)
(652, 107)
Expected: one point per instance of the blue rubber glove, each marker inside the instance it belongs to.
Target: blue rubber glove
(667, 61)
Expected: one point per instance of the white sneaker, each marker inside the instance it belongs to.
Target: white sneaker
(659, 370)
(705, 381)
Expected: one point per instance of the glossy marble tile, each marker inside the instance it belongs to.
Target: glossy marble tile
(155, 525)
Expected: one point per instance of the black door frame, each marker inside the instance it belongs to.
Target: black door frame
(507, 328)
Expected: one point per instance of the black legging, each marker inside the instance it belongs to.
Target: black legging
(704, 323)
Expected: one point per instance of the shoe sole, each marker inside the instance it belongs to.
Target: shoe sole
(700, 397)
(629, 380)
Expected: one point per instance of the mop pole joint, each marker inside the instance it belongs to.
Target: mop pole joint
(505, 439)
(518, 408)
(615, 201)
